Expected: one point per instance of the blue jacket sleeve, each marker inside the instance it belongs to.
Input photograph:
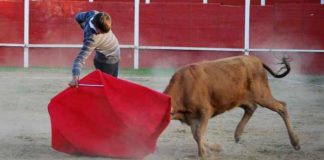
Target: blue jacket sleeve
(80, 18)
(83, 17)
(88, 43)
(86, 49)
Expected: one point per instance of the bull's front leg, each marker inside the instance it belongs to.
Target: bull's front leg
(198, 128)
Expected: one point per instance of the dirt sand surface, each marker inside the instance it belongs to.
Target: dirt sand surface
(25, 125)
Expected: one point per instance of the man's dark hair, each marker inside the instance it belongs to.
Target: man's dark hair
(100, 21)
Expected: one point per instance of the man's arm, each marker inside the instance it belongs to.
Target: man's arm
(79, 61)
(81, 17)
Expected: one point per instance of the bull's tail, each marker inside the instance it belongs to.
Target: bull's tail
(285, 62)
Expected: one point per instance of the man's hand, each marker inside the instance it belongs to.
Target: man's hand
(74, 82)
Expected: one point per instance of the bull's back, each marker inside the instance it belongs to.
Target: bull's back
(223, 84)
(231, 81)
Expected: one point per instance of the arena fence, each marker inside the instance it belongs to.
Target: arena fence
(136, 42)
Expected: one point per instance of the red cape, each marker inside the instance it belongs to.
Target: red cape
(119, 119)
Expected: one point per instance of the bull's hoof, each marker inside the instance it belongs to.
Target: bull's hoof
(203, 153)
(213, 147)
(237, 139)
(295, 142)
(202, 157)
(297, 147)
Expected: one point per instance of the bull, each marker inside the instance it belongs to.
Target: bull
(205, 89)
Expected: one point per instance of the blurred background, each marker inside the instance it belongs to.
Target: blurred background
(171, 33)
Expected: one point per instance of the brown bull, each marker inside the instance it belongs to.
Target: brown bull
(203, 90)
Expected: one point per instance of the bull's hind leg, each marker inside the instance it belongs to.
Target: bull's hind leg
(281, 109)
(198, 128)
(248, 112)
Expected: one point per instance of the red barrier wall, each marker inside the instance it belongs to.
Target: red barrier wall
(289, 24)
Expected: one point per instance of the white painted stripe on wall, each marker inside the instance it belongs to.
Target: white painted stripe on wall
(66, 46)
(286, 50)
(147, 1)
(205, 1)
(191, 48)
(247, 27)
(136, 34)
(169, 48)
(11, 45)
(263, 2)
(26, 34)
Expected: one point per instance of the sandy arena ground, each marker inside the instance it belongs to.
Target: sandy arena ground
(25, 125)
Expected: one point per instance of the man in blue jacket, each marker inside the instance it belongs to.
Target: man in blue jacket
(98, 37)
